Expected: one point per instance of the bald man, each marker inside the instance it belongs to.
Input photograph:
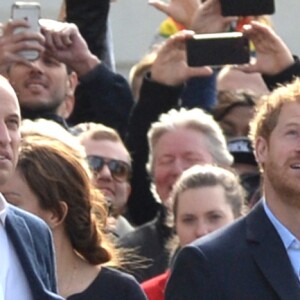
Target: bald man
(27, 266)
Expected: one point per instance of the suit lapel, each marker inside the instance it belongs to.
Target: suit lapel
(22, 240)
(270, 255)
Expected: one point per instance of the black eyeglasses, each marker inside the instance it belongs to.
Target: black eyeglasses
(120, 170)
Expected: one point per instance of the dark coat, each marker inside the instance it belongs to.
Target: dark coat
(32, 241)
(102, 96)
(246, 260)
(149, 241)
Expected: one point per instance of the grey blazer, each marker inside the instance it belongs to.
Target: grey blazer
(244, 261)
(33, 244)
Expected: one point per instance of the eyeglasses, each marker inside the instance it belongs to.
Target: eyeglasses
(120, 170)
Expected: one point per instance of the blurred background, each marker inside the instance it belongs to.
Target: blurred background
(134, 24)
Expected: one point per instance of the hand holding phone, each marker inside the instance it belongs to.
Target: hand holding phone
(29, 11)
(217, 49)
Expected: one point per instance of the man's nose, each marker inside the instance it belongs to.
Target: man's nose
(36, 66)
(178, 166)
(104, 173)
(4, 134)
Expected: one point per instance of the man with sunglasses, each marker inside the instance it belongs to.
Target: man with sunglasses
(110, 164)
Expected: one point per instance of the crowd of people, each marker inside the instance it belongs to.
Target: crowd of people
(180, 184)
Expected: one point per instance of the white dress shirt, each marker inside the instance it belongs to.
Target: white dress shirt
(13, 282)
(4, 249)
(290, 242)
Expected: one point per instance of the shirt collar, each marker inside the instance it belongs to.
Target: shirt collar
(3, 209)
(286, 236)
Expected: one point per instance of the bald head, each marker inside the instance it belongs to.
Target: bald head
(9, 130)
(7, 87)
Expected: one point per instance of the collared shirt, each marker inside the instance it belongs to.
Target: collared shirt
(4, 248)
(11, 270)
(3, 209)
(290, 242)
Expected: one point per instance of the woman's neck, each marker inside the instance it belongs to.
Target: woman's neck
(74, 274)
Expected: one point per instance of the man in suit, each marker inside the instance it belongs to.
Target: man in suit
(27, 266)
(258, 257)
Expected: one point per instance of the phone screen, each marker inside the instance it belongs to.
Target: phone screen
(247, 7)
(218, 49)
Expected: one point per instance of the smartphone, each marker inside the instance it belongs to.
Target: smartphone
(218, 49)
(29, 11)
(247, 7)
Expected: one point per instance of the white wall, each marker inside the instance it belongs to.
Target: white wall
(50, 8)
(287, 23)
(134, 24)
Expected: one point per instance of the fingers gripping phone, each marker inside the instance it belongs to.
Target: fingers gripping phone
(29, 11)
(217, 49)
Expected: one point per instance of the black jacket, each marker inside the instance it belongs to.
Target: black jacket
(149, 241)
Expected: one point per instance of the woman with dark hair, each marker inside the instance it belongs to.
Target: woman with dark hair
(52, 182)
(234, 112)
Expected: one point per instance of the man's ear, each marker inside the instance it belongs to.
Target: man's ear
(68, 105)
(54, 219)
(261, 150)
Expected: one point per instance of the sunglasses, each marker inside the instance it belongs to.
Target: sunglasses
(120, 170)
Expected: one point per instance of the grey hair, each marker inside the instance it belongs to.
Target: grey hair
(197, 120)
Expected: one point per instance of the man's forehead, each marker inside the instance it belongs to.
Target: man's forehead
(9, 106)
(5, 86)
(289, 115)
(45, 55)
(290, 109)
(8, 99)
(107, 147)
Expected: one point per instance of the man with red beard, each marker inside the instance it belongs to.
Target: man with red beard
(258, 257)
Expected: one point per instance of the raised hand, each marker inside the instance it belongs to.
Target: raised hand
(170, 66)
(181, 11)
(208, 18)
(64, 42)
(12, 43)
(272, 54)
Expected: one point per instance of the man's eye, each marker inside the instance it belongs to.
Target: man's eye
(165, 160)
(50, 62)
(13, 124)
(292, 132)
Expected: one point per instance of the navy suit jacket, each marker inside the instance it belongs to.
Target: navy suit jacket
(32, 241)
(244, 261)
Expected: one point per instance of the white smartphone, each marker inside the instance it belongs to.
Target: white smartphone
(29, 11)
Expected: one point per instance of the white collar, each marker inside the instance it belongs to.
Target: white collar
(3, 209)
